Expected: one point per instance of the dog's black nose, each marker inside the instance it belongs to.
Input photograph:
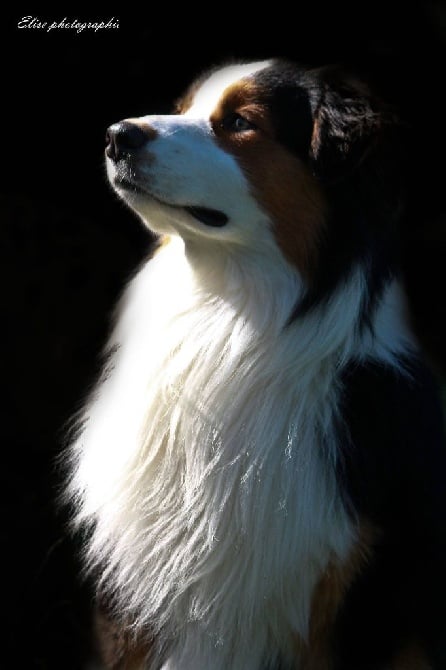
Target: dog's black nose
(126, 136)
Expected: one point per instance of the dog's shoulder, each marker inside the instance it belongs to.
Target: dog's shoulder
(394, 436)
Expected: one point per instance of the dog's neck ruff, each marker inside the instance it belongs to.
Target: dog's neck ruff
(206, 462)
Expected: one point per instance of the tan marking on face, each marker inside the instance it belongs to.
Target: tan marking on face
(316, 653)
(160, 243)
(411, 657)
(316, 136)
(279, 180)
(184, 103)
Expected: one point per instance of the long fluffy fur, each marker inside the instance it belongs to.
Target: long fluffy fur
(214, 421)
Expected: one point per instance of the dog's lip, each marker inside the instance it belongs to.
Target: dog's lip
(210, 217)
(207, 215)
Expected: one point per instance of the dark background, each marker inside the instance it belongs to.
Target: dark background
(67, 244)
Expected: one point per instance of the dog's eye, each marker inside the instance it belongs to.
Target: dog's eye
(235, 123)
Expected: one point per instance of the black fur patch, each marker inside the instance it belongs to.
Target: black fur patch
(352, 144)
(393, 474)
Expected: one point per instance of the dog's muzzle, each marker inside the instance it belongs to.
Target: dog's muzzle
(126, 137)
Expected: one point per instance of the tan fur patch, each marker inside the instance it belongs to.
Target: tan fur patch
(161, 242)
(279, 180)
(184, 102)
(316, 654)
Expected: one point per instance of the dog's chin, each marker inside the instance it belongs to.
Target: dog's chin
(159, 212)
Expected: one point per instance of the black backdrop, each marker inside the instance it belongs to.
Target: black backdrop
(68, 245)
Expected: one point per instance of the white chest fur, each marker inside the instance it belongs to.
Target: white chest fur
(207, 457)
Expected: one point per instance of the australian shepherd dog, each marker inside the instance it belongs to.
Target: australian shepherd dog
(260, 471)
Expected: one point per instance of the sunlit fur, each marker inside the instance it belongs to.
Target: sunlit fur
(205, 460)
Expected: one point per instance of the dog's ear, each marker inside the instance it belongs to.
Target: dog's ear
(348, 124)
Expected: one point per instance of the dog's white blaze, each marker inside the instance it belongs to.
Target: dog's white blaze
(212, 90)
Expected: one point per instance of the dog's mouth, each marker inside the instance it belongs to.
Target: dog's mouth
(210, 217)
(206, 215)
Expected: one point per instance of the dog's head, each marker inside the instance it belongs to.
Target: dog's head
(266, 153)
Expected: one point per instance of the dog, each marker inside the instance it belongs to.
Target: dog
(261, 468)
